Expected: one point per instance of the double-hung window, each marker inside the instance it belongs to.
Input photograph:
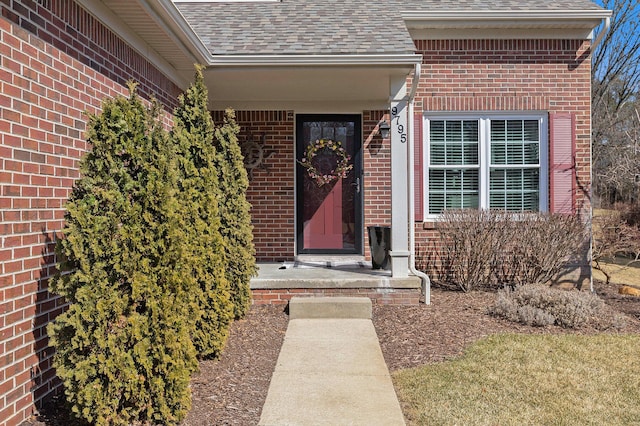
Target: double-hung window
(488, 161)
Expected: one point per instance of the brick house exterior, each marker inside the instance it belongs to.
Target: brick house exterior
(60, 58)
(57, 63)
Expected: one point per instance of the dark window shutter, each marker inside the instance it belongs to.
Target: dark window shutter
(561, 163)
(418, 170)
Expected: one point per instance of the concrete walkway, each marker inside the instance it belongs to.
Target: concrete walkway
(330, 370)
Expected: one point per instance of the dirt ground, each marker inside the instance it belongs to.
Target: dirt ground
(232, 389)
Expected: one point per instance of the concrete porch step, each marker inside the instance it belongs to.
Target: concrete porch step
(330, 307)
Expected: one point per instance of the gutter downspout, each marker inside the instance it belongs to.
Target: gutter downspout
(426, 282)
(607, 24)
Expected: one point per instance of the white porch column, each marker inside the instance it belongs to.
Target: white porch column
(399, 179)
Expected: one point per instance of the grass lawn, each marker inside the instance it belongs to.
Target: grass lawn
(619, 273)
(513, 379)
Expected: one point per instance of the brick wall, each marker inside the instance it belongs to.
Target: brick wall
(379, 296)
(377, 174)
(511, 75)
(271, 189)
(57, 62)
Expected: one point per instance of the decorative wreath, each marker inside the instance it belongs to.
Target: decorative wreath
(323, 172)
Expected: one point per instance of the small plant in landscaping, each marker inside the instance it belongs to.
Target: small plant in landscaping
(540, 306)
(123, 347)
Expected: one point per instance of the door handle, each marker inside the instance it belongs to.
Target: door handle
(357, 185)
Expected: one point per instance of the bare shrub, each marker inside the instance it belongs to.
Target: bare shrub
(491, 249)
(470, 239)
(537, 247)
(616, 235)
(540, 305)
(429, 260)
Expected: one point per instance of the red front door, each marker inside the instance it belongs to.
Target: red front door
(329, 195)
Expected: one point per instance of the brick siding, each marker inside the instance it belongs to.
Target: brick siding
(388, 296)
(511, 75)
(57, 61)
(377, 174)
(271, 190)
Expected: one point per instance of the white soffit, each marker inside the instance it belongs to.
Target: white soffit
(301, 88)
(148, 39)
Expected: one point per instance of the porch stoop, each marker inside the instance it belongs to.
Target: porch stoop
(277, 283)
(330, 307)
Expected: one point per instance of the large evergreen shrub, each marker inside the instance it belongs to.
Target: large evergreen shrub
(199, 197)
(235, 216)
(123, 348)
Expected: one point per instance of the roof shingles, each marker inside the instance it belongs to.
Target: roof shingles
(328, 27)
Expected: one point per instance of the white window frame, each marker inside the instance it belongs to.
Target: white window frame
(484, 129)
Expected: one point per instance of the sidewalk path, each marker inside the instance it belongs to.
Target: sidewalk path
(330, 370)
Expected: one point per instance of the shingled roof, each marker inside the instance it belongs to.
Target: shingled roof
(330, 27)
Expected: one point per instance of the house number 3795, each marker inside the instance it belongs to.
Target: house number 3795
(401, 127)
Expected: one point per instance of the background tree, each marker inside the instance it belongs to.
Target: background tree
(200, 192)
(235, 216)
(123, 348)
(615, 94)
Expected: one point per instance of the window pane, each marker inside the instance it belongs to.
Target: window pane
(514, 189)
(436, 181)
(531, 153)
(531, 131)
(498, 153)
(437, 154)
(436, 131)
(515, 142)
(453, 189)
(498, 130)
(453, 142)
(470, 153)
(514, 130)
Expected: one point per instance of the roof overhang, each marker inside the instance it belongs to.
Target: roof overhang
(523, 24)
(156, 30)
(309, 83)
(322, 87)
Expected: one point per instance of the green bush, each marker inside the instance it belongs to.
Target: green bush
(235, 217)
(540, 306)
(199, 196)
(123, 348)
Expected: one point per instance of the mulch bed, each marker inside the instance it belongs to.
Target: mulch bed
(232, 389)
